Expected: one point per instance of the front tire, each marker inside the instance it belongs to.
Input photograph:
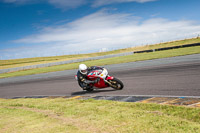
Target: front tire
(89, 89)
(116, 84)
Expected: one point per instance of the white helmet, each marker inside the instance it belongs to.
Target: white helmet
(83, 68)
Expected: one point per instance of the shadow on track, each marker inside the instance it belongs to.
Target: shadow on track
(93, 92)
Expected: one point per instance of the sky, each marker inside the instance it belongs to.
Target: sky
(37, 28)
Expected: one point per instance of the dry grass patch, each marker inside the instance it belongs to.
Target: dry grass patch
(67, 115)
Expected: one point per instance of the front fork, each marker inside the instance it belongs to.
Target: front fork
(109, 78)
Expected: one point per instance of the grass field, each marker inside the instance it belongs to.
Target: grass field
(115, 60)
(95, 116)
(41, 60)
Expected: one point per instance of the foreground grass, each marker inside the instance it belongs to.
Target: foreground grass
(82, 116)
(41, 60)
(115, 60)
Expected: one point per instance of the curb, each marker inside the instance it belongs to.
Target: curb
(176, 101)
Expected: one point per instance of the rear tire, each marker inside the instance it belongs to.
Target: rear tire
(116, 84)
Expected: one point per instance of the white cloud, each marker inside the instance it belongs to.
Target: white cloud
(20, 1)
(64, 4)
(102, 30)
(67, 4)
(98, 3)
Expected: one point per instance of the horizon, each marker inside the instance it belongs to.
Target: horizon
(113, 49)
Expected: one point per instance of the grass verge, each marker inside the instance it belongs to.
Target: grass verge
(4, 64)
(82, 116)
(115, 60)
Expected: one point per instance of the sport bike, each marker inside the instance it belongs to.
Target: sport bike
(104, 80)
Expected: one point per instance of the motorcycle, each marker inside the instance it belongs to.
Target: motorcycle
(104, 80)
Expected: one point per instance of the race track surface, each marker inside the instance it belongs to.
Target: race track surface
(177, 76)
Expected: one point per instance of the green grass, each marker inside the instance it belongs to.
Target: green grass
(41, 60)
(81, 116)
(115, 60)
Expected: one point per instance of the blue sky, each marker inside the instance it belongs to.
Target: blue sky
(34, 28)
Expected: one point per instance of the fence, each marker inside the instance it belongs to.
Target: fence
(167, 48)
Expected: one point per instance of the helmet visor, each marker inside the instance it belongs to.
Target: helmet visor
(84, 71)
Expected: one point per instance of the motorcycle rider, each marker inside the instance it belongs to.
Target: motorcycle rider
(82, 76)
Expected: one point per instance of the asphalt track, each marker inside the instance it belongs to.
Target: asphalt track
(177, 76)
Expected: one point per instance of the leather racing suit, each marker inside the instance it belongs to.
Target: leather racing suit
(82, 78)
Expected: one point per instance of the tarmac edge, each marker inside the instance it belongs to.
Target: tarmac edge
(174, 100)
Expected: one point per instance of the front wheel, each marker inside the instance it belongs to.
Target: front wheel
(116, 84)
(89, 89)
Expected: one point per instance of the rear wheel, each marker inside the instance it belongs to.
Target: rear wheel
(116, 84)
